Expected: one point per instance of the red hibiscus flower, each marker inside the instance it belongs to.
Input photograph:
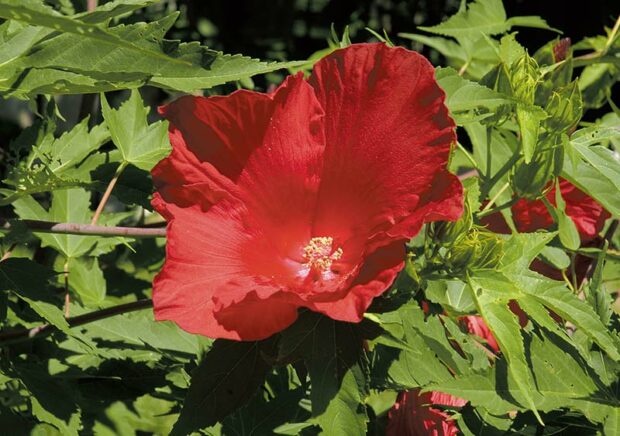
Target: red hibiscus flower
(302, 197)
(476, 326)
(589, 216)
(413, 414)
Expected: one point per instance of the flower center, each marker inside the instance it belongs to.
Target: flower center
(319, 253)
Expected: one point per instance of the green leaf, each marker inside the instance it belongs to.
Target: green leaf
(68, 206)
(66, 153)
(67, 64)
(611, 424)
(140, 329)
(452, 293)
(505, 327)
(568, 233)
(16, 39)
(52, 401)
(596, 294)
(55, 163)
(510, 50)
(591, 181)
(270, 409)
(463, 95)
(227, 377)
(428, 357)
(529, 125)
(483, 17)
(604, 165)
(29, 281)
(86, 280)
(336, 362)
(446, 47)
(37, 13)
(112, 9)
(523, 249)
(141, 144)
(556, 257)
(562, 380)
(561, 300)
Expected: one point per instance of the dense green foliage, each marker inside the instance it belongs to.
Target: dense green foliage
(68, 368)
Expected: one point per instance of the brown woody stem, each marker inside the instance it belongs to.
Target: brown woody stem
(81, 229)
(107, 193)
(20, 335)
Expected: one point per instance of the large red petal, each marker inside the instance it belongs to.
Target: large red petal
(211, 140)
(388, 138)
(204, 260)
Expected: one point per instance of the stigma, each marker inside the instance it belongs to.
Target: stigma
(319, 254)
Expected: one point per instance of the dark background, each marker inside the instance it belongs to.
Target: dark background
(294, 29)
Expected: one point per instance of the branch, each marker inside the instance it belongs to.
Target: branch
(108, 192)
(81, 229)
(19, 335)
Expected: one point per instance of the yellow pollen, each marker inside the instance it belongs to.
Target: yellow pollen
(319, 254)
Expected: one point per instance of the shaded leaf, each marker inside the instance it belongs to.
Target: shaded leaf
(28, 280)
(226, 378)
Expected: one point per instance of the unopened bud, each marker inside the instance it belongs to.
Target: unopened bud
(446, 233)
(529, 180)
(479, 249)
(564, 108)
(561, 49)
(524, 78)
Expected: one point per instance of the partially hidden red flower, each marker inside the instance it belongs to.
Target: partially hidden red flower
(413, 414)
(531, 215)
(302, 197)
(476, 326)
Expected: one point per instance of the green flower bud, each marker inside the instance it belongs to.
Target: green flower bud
(529, 180)
(564, 108)
(446, 233)
(479, 249)
(524, 79)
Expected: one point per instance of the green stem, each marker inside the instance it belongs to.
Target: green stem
(108, 192)
(488, 172)
(498, 208)
(490, 184)
(469, 157)
(495, 197)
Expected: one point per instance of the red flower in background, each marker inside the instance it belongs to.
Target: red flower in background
(476, 326)
(589, 216)
(413, 414)
(303, 197)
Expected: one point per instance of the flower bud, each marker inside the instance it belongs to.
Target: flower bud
(553, 52)
(561, 49)
(446, 233)
(529, 180)
(479, 249)
(564, 108)
(524, 78)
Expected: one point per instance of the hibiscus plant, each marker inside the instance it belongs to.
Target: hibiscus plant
(363, 243)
